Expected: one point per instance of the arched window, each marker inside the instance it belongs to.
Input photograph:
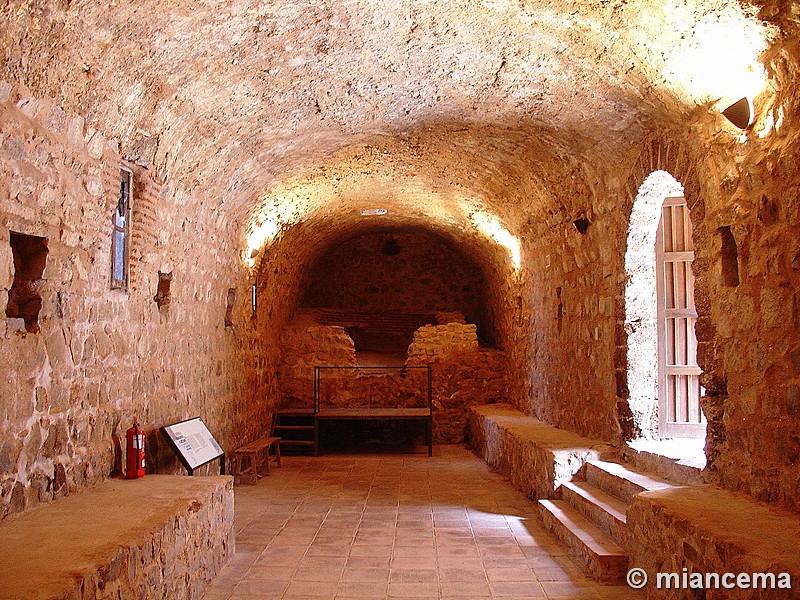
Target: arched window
(663, 376)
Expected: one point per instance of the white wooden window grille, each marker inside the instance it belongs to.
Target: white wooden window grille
(679, 389)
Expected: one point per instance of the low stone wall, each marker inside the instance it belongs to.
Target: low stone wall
(462, 380)
(704, 529)
(463, 374)
(535, 456)
(304, 347)
(433, 341)
(161, 536)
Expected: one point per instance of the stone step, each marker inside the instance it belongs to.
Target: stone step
(600, 556)
(602, 509)
(619, 481)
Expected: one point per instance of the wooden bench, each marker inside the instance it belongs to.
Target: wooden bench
(251, 458)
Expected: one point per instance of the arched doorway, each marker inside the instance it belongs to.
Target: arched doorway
(663, 374)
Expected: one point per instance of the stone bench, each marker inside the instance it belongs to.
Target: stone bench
(535, 456)
(706, 529)
(161, 536)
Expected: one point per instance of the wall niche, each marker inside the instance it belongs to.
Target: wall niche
(163, 297)
(24, 297)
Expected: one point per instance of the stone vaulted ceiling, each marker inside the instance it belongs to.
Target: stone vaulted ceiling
(281, 111)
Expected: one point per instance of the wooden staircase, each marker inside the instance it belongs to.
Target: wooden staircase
(589, 516)
(296, 429)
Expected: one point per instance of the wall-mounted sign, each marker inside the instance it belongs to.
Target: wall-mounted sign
(194, 444)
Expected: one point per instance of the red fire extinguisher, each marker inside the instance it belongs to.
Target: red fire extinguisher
(134, 455)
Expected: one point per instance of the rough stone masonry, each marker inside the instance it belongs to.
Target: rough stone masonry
(264, 136)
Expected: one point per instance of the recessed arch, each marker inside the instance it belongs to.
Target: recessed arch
(399, 270)
(647, 302)
(303, 246)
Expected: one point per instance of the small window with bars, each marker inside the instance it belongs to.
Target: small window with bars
(121, 241)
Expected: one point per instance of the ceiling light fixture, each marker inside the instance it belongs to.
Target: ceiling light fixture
(369, 212)
(740, 113)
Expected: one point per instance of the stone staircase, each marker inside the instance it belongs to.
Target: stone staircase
(589, 516)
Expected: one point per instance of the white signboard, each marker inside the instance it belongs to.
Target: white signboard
(194, 442)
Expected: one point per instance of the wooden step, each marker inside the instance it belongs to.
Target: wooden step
(296, 412)
(601, 557)
(619, 481)
(297, 430)
(602, 509)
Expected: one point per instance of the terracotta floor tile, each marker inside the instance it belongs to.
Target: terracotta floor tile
(461, 575)
(315, 589)
(270, 572)
(370, 550)
(460, 589)
(556, 590)
(510, 574)
(318, 574)
(428, 552)
(380, 527)
(368, 574)
(413, 590)
(368, 562)
(517, 589)
(413, 576)
(262, 587)
(413, 562)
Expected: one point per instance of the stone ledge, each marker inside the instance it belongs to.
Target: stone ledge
(161, 536)
(679, 461)
(536, 456)
(709, 530)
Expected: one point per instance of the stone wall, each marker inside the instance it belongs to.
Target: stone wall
(703, 529)
(397, 272)
(156, 537)
(748, 305)
(504, 174)
(565, 324)
(574, 327)
(305, 347)
(432, 341)
(462, 374)
(103, 356)
(535, 456)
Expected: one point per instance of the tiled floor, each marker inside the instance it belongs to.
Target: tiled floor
(394, 526)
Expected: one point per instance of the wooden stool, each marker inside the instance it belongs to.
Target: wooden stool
(251, 458)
